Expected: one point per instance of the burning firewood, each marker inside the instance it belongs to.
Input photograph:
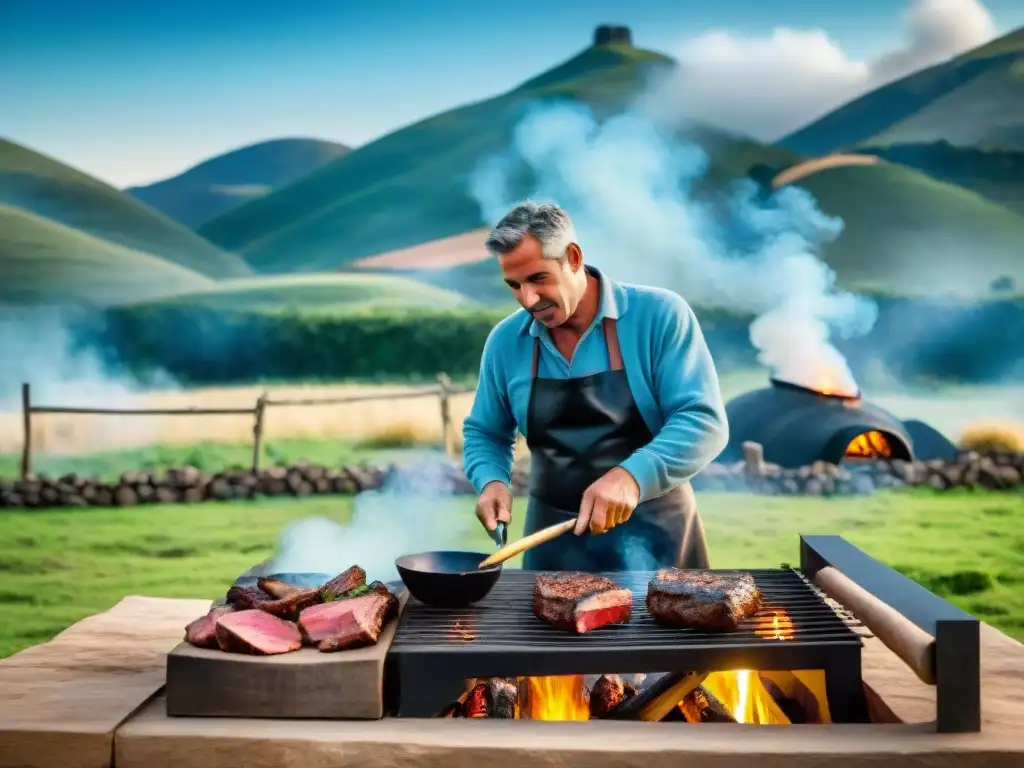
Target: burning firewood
(658, 698)
(502, 696)
(701, 706)
(495, 697)
(608, 693)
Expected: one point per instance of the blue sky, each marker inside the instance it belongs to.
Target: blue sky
(135, 90)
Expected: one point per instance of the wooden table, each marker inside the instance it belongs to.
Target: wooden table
(66, 702)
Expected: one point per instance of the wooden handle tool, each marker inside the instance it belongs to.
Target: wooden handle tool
(899, 634)
(529, 542)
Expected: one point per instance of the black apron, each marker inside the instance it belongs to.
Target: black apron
(577, 430)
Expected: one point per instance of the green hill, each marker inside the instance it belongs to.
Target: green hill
(908, 234)
(54, 191)
(976, 98)
(226, 181)
(409, 187)
(42, 261)
(315, 293)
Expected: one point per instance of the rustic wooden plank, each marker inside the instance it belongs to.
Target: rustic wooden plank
(61, 701)
(303, 684)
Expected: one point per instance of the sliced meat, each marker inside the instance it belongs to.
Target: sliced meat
(580, 602)
(291, 606)
(701, 600)
(277, 588)
(344, 582)
(609, 692)
(257, 632)
(202, 632)
(244, 598)
(352, 623)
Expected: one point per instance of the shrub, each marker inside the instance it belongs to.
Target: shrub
(989, 437)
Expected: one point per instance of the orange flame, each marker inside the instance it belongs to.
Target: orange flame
(464, 634)
(745, 697)
(777, 627)
(828, 382)
(869, 445)
(561, 697)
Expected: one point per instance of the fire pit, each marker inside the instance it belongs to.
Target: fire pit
(445, 661)
(798, 426)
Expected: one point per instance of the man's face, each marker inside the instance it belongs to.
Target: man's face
(550, 289)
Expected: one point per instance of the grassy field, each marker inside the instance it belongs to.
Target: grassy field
(48, 188)
(43, 260)
(60, 566)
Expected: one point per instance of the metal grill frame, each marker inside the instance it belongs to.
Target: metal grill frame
(425, 675)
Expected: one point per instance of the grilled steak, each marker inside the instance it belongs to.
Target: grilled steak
(277, 588)
(202, 632)
(609, 692)
(344, 582)
(257, 632)
(291, 606)
(580, 602)
(705, 601)
(352, 623)
(244, 598)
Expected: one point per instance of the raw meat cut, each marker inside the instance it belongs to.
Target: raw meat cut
(202, 632)
(579, 601)
(344, 582)
(702, 600)
(257, 632)
(352, 623)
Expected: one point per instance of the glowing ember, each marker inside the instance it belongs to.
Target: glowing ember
(744, 696)
(776, 627)
(869, 445)
(561, 697)
(463, 633)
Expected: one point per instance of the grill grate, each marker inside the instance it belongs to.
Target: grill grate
(505, 618)
(436, 649)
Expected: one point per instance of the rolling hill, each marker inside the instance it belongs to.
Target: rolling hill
(49, 189)
(409, 187)
(975, 99)
(226, 181)
(44, 262)
(314, 293)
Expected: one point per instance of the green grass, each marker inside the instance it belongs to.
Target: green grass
(44, 261)
(207, 456)
(48, 188)
(318, 292)
(410, 186)
(975, 98)
(60, 566)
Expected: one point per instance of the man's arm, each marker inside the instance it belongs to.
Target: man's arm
(489, 431)
(686, 387)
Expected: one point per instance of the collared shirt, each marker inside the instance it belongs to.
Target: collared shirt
(668, 366)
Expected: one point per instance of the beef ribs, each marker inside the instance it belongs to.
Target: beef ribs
(291, 606)
(353, 623)
(609, 692)
(244, 598)
(580, 602)
(202, 632)
(346, 581)
(700, 600)
(256, 632)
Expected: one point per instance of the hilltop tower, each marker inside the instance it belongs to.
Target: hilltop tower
(607, 34)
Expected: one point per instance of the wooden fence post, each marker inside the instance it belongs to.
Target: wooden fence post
(446, 415)
(257, 432)
(26, 417)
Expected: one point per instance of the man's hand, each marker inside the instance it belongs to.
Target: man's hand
(609, 501)
(494, 504)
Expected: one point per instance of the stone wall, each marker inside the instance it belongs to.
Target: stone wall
(187, 485)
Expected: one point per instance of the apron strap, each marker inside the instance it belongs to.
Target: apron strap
(611, 339)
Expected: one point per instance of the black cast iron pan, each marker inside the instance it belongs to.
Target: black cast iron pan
(450, 579)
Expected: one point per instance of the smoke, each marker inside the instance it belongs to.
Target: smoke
(411, 512)
(628, 184)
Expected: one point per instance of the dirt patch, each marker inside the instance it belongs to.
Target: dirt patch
(466, 248)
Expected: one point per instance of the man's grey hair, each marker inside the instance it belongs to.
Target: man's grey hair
(546, 221)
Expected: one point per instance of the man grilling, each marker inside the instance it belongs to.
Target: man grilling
(615, 391)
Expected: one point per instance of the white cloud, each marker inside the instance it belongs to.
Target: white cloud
(768, 86)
